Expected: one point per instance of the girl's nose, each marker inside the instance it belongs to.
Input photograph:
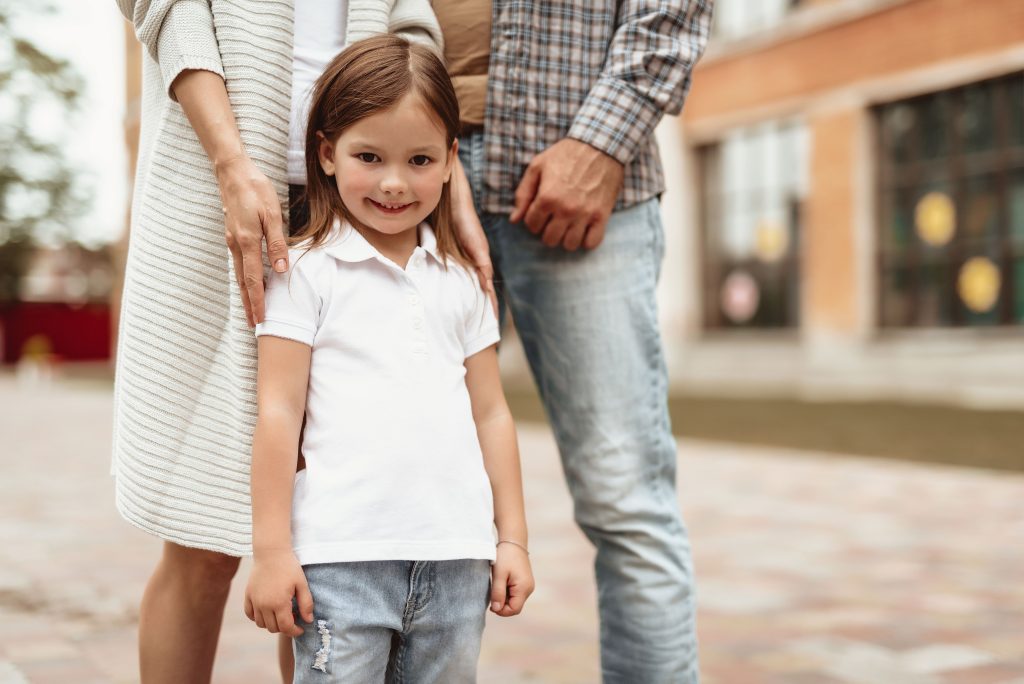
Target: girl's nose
(392, 183)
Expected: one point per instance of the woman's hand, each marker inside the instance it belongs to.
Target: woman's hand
(276, 577)
(470, 232)
(252, 214)
(252, 211)
(511, 580)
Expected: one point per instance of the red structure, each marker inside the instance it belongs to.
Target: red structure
(66, 332)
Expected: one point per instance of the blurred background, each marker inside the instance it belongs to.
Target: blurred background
(843, 280)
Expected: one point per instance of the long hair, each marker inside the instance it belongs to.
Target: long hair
(367, 77)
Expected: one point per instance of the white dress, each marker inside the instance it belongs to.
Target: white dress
(185, 389)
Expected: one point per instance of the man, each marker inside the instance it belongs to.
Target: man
(558, 146)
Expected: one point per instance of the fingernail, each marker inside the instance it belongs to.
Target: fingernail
(495, 606)
(280, 266)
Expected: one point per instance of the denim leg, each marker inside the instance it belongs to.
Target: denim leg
(588, 324)
(357, 608)
(444, 621)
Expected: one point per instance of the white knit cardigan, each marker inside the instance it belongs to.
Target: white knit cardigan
(185, 389)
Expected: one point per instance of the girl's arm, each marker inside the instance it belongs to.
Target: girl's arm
(282, 379)
(512, 579)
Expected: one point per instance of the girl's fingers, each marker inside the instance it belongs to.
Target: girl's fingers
(258, 618)
(286, 622)
(499, 585)
(515, 601)
(271, 621)
(248, 608)
(305, 601)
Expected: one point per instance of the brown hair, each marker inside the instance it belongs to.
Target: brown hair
(367, 77)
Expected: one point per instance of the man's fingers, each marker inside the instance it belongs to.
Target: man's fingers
(258, 619)
(305, 601)
(594, 235)
(498, 588)
(277, 247)
(554, 232)
(573, 237)
(537, 217)
(525, 193)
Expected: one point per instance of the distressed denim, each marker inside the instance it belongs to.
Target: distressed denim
(588, 324)
(401, 622)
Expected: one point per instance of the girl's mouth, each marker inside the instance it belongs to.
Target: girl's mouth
(389, 207)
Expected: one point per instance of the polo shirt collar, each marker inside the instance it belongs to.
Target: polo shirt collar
(348, 244)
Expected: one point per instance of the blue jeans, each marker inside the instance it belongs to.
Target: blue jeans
(588, 323)
(401, 622)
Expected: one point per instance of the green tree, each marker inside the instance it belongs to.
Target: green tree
(37, 186)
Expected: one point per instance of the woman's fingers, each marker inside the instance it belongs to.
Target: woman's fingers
(273, 233)
(252, 279)
(236, 257)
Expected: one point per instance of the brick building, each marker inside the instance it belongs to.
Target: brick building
(846, 203)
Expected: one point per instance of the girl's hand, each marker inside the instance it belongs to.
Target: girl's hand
(252, 213)
(511, 580)
(276, 578)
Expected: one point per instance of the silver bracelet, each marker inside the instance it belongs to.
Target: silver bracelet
(509, 541)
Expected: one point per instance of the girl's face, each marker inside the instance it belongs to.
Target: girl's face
(391, 166)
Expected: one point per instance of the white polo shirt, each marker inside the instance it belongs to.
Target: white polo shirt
(394, 469)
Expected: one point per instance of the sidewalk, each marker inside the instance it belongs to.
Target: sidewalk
(811, 569)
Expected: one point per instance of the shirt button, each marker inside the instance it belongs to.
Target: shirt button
(417, 323)
(414, 300)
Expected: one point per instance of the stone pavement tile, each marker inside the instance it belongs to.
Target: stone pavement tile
(812, 569)
(10, 674)
(937, 658)
(987, 674)
(62, 671)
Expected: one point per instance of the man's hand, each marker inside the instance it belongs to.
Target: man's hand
(567, 194)
(275, 579)
(252, 214)
(470, 233)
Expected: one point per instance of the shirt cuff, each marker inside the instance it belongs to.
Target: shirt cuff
(482, 341)
(286, 330)
(615, 119)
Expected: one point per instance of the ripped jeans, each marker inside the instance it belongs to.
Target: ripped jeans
(400, 622)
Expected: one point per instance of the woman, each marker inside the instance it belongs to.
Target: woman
(212, 176)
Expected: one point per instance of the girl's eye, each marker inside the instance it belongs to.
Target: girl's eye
(368, 157)
(420, 160)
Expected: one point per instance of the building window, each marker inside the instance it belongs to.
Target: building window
(951, 207)
(738, 18)
(753, 185)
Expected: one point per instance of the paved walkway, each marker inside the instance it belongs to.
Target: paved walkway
(812, 568)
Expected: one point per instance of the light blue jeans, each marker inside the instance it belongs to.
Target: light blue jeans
(401, 622)
(588, 323)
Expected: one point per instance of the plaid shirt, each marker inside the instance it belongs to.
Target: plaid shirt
(599, 71)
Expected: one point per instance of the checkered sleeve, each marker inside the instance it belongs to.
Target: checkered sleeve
(646, 74)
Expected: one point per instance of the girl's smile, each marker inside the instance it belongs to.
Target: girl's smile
(389, 208)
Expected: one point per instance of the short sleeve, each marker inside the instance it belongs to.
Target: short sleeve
(293, 301)
(481, 325)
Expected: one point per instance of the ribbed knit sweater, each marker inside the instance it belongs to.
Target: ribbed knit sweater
(185, 389)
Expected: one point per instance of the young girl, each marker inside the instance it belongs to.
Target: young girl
(382, 338)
